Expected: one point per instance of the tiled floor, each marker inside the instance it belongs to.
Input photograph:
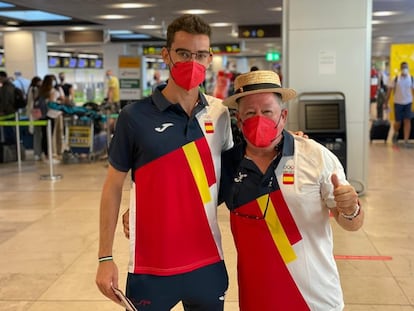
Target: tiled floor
(49, 235)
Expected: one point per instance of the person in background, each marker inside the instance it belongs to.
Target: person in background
(32, 97)
(21, 82)
(403, 86)
(157, 80)
(281, 190)
(52, 93)
(67, 89)
(112, 103)
(112, 94)
(254, 68)
(7, 133)
(178, 133)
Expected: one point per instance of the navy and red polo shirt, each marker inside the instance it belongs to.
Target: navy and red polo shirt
(175, 163)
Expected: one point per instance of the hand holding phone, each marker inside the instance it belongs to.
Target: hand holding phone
(124, 301)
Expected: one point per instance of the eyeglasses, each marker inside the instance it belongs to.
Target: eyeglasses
(186, 55)
(256, 217)
(253, 217)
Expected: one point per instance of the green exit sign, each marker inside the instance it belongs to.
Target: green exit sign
(273, 56)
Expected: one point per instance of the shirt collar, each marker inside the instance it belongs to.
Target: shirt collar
(288, 144)
(163, 104)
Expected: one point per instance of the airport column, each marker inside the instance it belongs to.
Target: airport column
(327, 48)
(26, 51)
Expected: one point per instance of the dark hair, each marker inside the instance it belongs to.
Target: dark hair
(47, 86)
(35, 81)
(254, 68)
(3, 74)
(188, 23)
(403, 64)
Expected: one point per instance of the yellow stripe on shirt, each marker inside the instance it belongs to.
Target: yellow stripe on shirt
(276, 230)
(197, 168)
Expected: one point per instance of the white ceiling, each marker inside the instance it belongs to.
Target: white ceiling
(394, 29)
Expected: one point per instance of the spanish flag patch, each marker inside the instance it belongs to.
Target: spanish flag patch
(208, 126)
(288, 179)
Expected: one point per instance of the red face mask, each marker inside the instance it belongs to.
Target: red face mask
(188, 75)
(260, 131)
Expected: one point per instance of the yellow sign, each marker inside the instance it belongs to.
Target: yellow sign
(400, 53)
(129, 62)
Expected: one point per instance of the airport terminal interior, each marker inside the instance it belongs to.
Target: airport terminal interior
(49, 237)
(49, 210)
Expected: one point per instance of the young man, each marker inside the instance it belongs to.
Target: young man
(281, 189)
(171, 142)
(403, 98)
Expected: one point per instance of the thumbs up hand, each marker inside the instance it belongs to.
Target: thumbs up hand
(346, 197)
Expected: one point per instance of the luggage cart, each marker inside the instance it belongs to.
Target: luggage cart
(80, 140)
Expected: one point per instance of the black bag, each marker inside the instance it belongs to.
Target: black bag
(19, 99)
(379, 130)
(8, 153)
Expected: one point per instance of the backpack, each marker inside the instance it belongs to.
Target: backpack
(396, 79)
(7, 95)
(19, 99)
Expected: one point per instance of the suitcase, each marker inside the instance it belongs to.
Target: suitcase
(8, 153)
(379, 130)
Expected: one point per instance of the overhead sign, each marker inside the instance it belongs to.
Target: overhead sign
(225, 48)
(259, 31)
(273, 56)
(152, 49)
(129, 77)
(85, 36)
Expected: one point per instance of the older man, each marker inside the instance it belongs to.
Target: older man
(281, 190)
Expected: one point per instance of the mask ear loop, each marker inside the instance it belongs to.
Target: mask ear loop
(277, 125)
(169, 55)
(172, 62)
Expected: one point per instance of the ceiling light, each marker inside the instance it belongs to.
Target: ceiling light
(34, 15)
(114, 16)
(119, 32)
(133, 36)
(383, 38)
(4, 5)
(10, 28)
(77, 28)
(129, 5)
(277, 9)
(148, 27)
(376, 22)
(384, 13)
(197, 12)
(93, 56)
(220, 24)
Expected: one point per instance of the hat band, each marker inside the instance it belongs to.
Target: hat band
(254, 87)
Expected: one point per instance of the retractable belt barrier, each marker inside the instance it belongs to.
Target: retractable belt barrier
(5, 121)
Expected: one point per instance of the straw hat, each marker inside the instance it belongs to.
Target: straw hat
(259, 81)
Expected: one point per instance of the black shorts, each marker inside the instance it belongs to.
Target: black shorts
(199, 290)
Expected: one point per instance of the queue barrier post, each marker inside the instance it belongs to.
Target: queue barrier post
(5, 121)
(51, 175)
